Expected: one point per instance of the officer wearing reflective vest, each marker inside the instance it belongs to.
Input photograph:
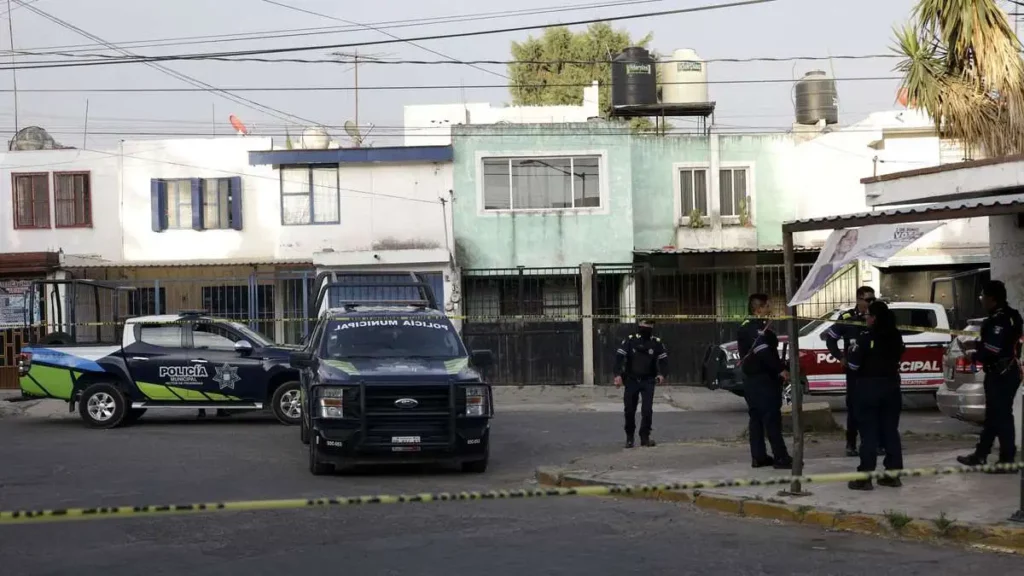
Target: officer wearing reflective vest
(848, 334)
(640, 364)
(763, 376)
(997, 350)
(874, 359)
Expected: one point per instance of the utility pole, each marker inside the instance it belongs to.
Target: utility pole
(355, 92)
(14, 71)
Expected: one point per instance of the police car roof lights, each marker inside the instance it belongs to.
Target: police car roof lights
(191, 313)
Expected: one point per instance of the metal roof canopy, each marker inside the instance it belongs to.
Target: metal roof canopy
(999, 203)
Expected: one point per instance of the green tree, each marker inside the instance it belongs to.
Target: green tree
(543, 65)
(963, 67)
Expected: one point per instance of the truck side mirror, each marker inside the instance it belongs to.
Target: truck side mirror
(481, 358)
(243, 347)
(301, 360)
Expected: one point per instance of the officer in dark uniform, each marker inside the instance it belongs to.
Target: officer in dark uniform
(640, 364)
(848, 334)
(874, 359)
(996, 349)
(763, 376)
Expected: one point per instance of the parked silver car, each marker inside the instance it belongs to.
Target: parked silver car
(962, 392)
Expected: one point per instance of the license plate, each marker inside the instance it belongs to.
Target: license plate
(405, 439)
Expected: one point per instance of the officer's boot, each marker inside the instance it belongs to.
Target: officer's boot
(629, 442)
(971, 460)
(861, 485)
(646, 441)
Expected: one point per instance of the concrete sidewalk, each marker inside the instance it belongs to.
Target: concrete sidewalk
(971, 508)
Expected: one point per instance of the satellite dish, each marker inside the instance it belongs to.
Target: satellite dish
(33, 138)
(315, 138)
(353, 131)
(238, 125)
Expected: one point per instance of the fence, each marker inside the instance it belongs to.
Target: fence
(528, 351)
(546, 351)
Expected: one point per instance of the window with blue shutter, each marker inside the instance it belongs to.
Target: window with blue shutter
(158, 204)
(196, 194)
(235, 195)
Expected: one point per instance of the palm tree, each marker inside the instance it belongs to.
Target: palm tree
(963, 67)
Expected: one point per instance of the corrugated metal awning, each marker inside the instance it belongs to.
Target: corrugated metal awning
(761, 250)
(976, 208)
(86, 262)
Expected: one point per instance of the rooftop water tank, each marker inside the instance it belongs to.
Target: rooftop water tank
(816, 99)
(684, 78)
(633, 78)
(315, 138)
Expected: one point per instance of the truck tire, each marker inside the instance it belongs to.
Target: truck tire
(102, 405)
(285, 403)
(478, 466)
(316, 467)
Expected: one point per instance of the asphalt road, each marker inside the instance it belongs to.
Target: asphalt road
(58, 463)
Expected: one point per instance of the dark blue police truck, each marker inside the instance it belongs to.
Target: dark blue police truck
(389, 380)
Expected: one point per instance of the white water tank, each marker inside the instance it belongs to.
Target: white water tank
(315, 138)
(684, 78)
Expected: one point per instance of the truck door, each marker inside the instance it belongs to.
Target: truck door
(921, 369)
(231, 373)
(159, 363)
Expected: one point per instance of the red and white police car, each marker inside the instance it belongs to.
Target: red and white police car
(921, 369)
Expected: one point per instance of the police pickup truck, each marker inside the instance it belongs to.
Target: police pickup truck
(185, 361)
(391, 382)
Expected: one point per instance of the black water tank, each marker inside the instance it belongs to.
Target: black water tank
(817, 99)
(633, 78)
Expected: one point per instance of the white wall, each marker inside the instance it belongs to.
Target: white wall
(430, 124)
(384, 206)
(829, 170)
(200, 158)
(101, 240)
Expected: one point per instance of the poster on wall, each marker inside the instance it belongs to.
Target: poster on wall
(875, 244)
(14, 301)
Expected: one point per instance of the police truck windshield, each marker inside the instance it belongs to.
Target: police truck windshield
(391, 338)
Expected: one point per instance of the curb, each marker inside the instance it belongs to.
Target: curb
(990, 537)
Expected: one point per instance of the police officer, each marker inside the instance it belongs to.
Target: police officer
(763, 376)
(996, 349)
(848, 334)
(874, 359)
(640, 364)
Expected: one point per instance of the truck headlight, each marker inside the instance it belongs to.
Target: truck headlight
(476, 401)
(331, 402)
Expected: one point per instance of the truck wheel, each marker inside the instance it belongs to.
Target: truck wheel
(303, 432)
(286, 404)
(102, 406)
(133, 415)
(316, 467)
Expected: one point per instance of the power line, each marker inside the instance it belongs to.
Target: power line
(402, 87)
(326, 30)
(251, 104)
(135, 59)
(386, 33)
(746, 60)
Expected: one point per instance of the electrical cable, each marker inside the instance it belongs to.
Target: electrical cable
(136, 59)
(326, 30)
(251, 104)
(451, 59)
(416, 87)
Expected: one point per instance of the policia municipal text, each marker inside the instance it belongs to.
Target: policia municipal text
(640, 364)
(997, 351)
(764, 374)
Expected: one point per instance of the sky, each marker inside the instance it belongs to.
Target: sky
(784, 28)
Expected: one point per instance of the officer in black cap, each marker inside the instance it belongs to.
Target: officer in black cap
(848, 334)
(996, 349)
(640, 364)
(763, 376)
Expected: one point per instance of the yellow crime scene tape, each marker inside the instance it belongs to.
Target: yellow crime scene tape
(513, 319)
(96, 513)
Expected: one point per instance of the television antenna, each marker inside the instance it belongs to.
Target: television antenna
(355, 58)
